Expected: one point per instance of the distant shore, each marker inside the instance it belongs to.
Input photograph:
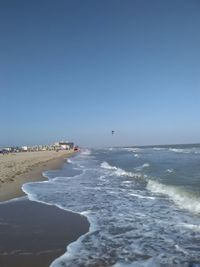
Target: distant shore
(17, 169)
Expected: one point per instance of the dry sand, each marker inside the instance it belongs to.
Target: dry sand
(17, 169)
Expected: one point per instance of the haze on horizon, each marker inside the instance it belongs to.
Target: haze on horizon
(77, 70)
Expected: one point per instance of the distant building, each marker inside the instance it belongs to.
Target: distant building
(66, 145)
(8, 149)
(71, 145)
(56, 144)
(62, 145)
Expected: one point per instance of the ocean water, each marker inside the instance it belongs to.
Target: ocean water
(143, 205)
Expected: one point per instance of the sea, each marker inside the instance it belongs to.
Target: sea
(142, 203)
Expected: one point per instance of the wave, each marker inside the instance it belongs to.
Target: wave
(141, 196)
(70, 161)
(194, 227)
(142, 263)
(145, 165)
(75, 247)
(33, 197)
(185, 150)
(181, 197)
(119, 171)
(86, 152)
(178, 150)
(111, 214)
(107, 166)
(170, 170)
(132, 149)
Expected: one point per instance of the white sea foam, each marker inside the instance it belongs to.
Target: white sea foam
(119, 171)
(181, 197)
(85, 152)
(73, 162)
(72, 249)
(132, 149)
(193, 227)
(178, 150)
(107, 166)
(183, 150)
(178, 248)
(75, 247)
(193, 150)
(170, 170)
(145, 165)
(141, 196)
(45, 174)
(140, 263)
(33, 197)
(124, 217)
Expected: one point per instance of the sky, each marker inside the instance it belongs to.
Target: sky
(76, 70)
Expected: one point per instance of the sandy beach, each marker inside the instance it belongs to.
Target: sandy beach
(33, 234)
(17, 169)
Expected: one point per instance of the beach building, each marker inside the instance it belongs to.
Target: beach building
(8, 149)
(64, 145)
(61, 145)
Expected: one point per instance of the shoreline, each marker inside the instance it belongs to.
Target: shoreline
(34, 233)
(11, 187)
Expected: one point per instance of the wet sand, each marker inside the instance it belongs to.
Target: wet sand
(34, 234)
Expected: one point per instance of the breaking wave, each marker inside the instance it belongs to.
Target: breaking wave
(132, 149)
(140, 168)
(107, 166)
(86, 152)
(133, 222)
(185, 150)
(118, 171)
(170, 170)
(178, 150)
(184, 199)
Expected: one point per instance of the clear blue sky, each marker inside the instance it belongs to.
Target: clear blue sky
(78, 69)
